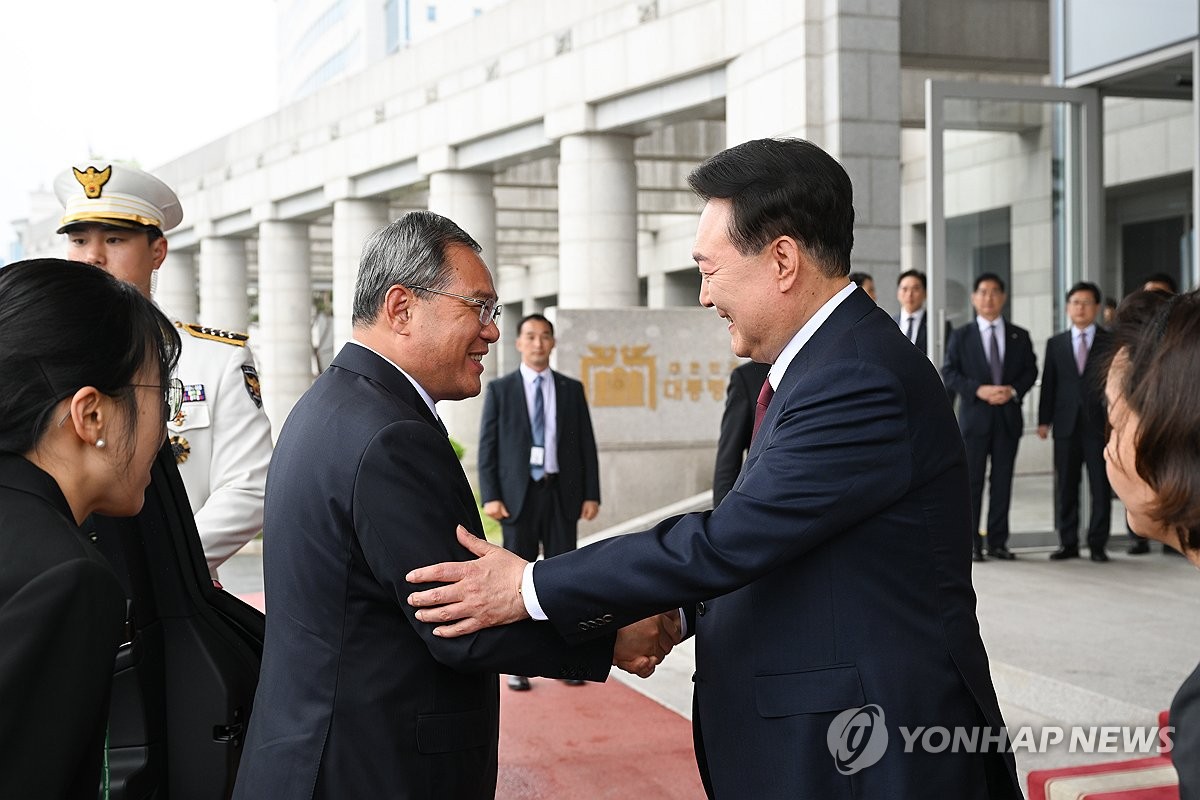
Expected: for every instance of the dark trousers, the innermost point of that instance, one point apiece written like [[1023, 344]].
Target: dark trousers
[[1001, 448], [542, 522], [1071, 454]]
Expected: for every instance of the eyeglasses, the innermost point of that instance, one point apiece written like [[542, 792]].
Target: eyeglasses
[[172, 395], [489, 310]]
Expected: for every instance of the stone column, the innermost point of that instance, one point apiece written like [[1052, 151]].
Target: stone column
[[514, 287], [678, 289], [844, 72], [597, 221], [175, 285], [541, 284], [353, 222], [467, 198], [283, 344], [223, 299]]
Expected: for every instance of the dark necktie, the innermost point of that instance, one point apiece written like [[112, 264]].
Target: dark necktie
[[1081, 353], [911, 326], [760, 409], [994, 357], [537, 471]]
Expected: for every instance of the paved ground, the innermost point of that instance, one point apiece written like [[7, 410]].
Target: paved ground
[[1071, 643]]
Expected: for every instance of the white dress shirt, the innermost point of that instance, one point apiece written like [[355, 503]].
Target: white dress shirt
[[916, 317], [1088, 334], [985, 336], [549, 397]]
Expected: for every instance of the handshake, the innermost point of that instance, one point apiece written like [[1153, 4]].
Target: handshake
[[484, 592], [643, 645]]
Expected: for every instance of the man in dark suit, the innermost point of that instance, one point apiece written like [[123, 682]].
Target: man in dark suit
[[1072, 404], [538, 470], [356, 699], [737, 423], [830, 591], [991, 365], [912, 319]]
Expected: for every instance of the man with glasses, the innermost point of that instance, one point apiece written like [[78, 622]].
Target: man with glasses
[[356, 698], [114, 218], [538, 470], [1072, 405]]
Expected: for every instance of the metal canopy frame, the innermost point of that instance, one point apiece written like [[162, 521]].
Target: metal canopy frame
[[1084, 211]]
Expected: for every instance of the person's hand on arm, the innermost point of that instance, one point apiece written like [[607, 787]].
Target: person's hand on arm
[[478, 594], [589, 511], [1043, 431]]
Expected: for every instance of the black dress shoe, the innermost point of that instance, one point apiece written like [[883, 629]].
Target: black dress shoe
[[1138, 548], [518, 683], [1099, 556], [977, 555], [1063, 553], [573, 682], [1002, 553]]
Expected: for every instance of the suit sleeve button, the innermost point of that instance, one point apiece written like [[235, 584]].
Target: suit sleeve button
[[701, 608]]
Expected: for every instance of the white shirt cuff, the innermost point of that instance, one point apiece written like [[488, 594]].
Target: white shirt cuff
[[529, 594]]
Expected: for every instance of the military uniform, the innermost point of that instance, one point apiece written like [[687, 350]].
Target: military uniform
[[221, 436]]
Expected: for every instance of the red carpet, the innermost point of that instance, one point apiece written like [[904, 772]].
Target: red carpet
[[560, 742], [589, 742]]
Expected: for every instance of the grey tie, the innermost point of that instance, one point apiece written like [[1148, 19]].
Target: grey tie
[[911, 327], [539, 428], [994, 356]]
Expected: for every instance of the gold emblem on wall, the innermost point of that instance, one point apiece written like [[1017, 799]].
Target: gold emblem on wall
[[629, 384]]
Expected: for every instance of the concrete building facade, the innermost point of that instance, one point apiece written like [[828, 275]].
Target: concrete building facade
[[560, 134]]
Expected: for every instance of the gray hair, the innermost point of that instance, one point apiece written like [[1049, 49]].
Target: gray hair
[[411, 252]]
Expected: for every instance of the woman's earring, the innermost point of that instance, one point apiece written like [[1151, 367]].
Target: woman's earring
[[101, 444]]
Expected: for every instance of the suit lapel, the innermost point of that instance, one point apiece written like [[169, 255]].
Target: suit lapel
[[843, 318], [361, 361]]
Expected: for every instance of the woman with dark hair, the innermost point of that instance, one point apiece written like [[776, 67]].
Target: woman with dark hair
[[1153, 457], [85, 391]]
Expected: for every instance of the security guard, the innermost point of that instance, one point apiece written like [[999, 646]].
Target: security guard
[[114, 218]]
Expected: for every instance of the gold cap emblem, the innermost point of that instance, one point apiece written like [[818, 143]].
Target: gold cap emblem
[[92, 180]]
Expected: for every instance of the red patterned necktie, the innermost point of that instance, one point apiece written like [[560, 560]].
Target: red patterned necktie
[[760, 409]]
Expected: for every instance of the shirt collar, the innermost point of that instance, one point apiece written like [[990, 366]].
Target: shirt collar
[[904, 315], [805, 333], [424, 394], [984, 324], [1088, 332], [528, 374]]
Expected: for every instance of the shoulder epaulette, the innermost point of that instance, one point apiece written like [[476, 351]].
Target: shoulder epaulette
[[215, 334]]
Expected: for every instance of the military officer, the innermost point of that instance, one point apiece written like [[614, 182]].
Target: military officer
[[114, 218]]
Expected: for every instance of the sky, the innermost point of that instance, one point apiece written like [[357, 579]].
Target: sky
[[127, 80]]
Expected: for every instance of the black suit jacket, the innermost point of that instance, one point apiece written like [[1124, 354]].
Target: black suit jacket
[[357, 698], [62, 612], [966, 369], [840, 567], [505, 436], [1069, 400], [737, 425]]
